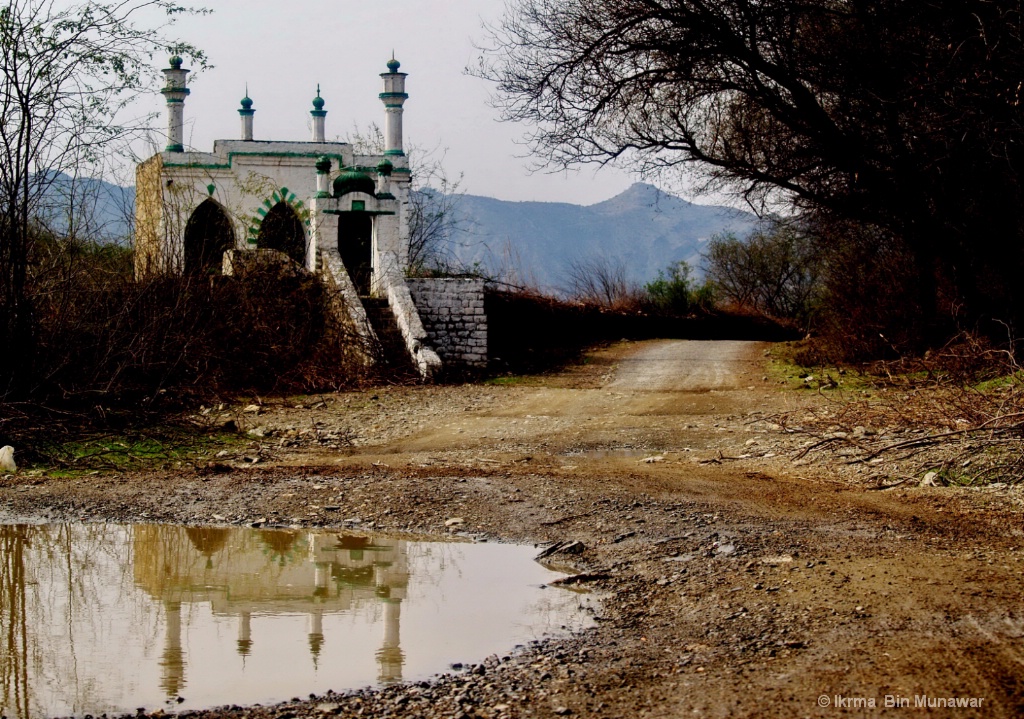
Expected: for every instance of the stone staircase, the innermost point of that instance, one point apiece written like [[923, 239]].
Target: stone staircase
[[394, 359]]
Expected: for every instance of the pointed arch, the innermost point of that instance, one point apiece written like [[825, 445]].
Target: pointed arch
[[283, 230], [208, 235]]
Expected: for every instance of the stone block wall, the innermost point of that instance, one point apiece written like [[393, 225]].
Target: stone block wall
[[452, 311]]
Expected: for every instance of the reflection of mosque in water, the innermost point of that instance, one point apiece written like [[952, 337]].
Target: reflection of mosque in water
[[243, 572]]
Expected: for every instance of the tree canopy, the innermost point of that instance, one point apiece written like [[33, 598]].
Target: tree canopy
[[905, 116]]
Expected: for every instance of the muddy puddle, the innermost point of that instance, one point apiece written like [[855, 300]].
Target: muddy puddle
[[101, 618]]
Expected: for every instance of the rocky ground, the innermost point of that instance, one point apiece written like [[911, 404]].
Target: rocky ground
[[736, 580]]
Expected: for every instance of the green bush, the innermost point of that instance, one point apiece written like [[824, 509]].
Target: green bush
[[674, 292]]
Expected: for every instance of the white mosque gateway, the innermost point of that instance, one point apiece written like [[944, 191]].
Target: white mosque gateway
[[316, 204]]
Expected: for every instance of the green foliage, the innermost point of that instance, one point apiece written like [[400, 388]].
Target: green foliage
[[155, 448], [674, 291]]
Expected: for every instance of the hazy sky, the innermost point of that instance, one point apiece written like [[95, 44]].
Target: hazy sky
[[283, 49]]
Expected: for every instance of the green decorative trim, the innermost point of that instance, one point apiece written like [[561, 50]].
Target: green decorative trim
[[174, 148], [318, 113], [231, 155], [210, 188], [385, 196], [246, 113], [393, 153], [394, 95], [175, 91], [282, 195], [359, 212]]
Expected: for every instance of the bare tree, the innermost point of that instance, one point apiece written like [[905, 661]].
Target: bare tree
[[778, 270], [901, 115], [602, 281], [67, 76]]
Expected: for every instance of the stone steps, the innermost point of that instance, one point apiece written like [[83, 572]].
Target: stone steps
[[394, 357]]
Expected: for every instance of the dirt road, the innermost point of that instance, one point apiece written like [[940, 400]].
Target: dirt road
[[737, 582]]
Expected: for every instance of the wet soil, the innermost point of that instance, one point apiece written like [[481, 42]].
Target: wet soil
[[737, 582]]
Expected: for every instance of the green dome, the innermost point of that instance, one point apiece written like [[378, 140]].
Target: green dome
[[318, 102], [353, 181], [176, 62], [385, 168], [246, 103], [393, 64]]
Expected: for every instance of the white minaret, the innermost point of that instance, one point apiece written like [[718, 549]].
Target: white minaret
[[246, 114], [393, 97], [319, 113], [175, 92]]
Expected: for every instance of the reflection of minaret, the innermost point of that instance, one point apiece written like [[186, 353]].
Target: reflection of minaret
[[244, 634], [390, 653], [321, 578], [173, 661], [316, 632]]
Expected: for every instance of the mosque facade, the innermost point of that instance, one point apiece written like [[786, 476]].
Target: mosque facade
[[318, 206]]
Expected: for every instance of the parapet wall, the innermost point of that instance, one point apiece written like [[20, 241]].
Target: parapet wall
[[452, 311]]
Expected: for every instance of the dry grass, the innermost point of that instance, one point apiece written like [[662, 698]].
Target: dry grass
[[955, 416]]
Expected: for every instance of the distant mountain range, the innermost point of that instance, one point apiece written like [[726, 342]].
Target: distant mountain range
[[91, 208], [644, 229]]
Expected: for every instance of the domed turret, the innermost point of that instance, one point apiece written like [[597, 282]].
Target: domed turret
[[353, 181]]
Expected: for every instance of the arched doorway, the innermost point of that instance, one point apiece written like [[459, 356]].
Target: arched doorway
[[208, 235], [282, 230], [355, 238]]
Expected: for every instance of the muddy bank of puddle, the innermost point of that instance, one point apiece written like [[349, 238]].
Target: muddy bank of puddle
[[101, 618]]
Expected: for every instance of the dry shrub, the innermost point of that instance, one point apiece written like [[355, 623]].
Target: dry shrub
[[108, 344], [957, 411], [603, 282]]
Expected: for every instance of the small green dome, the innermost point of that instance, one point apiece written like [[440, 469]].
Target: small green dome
[[353, 181], [323, 164], [318, 102], [393, 64], [176, 62], [246, 103], [384, 168]]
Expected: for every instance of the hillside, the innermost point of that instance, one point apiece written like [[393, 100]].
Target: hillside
[[643, 227], [94, 209]]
